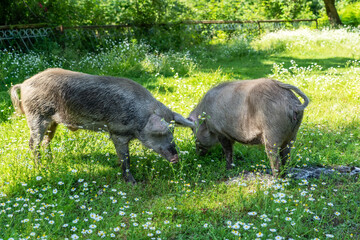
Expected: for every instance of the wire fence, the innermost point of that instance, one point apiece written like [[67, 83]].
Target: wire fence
[[28, 37]]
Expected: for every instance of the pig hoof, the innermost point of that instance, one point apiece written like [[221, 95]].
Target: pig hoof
[[132, 182], [202, 153], [130, 179]]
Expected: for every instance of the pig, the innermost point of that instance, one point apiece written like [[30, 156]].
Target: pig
[[260, 111], [119, 106]]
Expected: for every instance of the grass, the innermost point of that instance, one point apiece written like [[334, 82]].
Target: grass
[[80, 192]]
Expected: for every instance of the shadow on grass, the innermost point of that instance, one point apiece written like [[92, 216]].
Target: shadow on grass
[[5, 106], [326, 63], [260, 65], [251, 66]]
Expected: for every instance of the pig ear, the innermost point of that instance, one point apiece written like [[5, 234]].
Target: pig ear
[[156, 125], [183, 121]]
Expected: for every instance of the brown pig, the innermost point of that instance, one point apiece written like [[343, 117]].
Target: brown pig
[[260, 111], [119, 106]]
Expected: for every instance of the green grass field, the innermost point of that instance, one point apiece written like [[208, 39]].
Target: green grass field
[[79, 192]]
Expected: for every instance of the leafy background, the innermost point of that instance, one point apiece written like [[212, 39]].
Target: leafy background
[[96, 12]]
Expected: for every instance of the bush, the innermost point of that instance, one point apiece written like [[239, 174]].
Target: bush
[[350, 15], [122, 58], [220, 49]]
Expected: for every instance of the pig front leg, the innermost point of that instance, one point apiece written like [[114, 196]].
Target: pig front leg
[[285, 153], [227, 146], [122, 149]]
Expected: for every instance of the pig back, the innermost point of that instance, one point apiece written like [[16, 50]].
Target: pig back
[[73, 97], [244, 110]]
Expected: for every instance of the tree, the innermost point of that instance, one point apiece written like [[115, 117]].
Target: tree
[[332, 12]]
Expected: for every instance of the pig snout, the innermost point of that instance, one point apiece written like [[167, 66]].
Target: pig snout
[[169, 154], [174, 159]]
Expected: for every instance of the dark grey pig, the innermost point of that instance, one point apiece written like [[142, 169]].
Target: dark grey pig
[[260, 111], [119, 106]]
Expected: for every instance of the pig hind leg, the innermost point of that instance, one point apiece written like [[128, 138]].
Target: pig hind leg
[[49, 134], [38, 126], [273, 155], [279, 157], [122, 149], [272, 148], [285, 152], [278, 146]]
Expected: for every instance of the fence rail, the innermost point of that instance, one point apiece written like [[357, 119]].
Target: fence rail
[[248, 21], [24, 37]]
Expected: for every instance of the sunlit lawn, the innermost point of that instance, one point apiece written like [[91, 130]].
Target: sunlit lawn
[[79, 193]]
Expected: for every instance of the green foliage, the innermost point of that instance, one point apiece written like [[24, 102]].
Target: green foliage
[[222, 46], [22, 12], [350, 15], [92, 12], [316, 7], [282, 9], [251, 10], [145, 12]]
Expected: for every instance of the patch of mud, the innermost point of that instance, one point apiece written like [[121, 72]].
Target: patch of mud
[[294, 173], [316, 172], [263, 178]]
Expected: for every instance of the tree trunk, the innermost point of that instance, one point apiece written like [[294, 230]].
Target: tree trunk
[[332, 13]]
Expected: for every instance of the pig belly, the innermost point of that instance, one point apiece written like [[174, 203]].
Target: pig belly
[[87, 124]]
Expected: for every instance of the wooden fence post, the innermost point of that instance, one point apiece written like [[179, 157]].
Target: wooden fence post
[[259, 26]]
